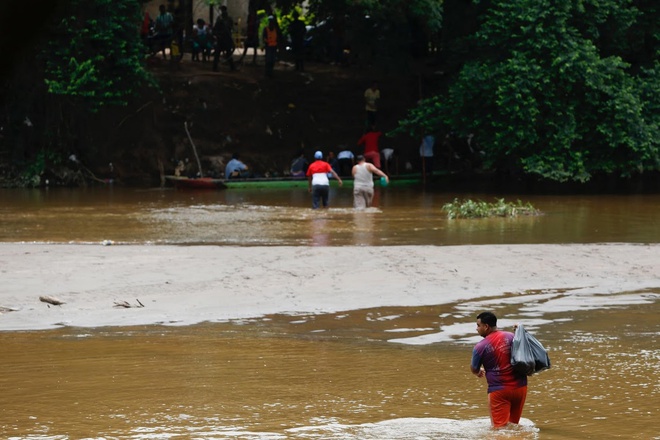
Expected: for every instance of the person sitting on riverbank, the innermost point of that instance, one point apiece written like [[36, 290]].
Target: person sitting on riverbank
[[332, 160], [345, 162], [299, 165], [235, 168]]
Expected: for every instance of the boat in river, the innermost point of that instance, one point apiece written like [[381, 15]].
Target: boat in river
[[267, 182], [182, 182], [301, 182]]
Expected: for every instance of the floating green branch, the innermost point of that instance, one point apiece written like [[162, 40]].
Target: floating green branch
[[480, 209]]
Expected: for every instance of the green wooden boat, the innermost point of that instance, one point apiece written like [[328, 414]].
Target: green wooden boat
[[274, 182], [292, 182]]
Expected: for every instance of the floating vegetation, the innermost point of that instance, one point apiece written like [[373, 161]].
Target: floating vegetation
[[480, 209]]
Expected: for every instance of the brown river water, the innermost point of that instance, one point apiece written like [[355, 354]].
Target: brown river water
[[381, 373]]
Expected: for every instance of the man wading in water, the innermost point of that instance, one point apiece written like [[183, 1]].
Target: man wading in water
[[506, 389]]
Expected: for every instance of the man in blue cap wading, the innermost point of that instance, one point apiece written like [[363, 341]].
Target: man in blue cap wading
[[319, 185]]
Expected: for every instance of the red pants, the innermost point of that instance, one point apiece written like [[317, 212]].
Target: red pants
[[373, 157], [506, 406]]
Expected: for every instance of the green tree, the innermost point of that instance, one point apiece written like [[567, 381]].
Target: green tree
[[95, 57], [87, 56], [549, 95], [380, 33]]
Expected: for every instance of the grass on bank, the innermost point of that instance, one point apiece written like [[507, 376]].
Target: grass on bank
[[480, 209]]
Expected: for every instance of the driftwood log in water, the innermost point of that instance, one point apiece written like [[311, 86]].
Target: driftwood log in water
[[51, 300]]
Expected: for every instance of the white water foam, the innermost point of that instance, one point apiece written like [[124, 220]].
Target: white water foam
[[419, 429]]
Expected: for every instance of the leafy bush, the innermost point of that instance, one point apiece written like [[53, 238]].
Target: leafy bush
[[480, 209], [31, 176], [95, 55], [546, 94]]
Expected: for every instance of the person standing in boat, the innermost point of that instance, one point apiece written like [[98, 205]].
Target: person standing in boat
[[235, 168], [319, 184], [363, 185]]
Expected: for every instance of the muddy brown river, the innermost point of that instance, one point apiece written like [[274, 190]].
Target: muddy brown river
[[385, 373]]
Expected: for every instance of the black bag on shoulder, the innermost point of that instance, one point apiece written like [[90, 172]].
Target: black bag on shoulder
[[527, 354]]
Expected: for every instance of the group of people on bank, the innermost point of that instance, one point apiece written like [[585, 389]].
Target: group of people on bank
[[217, 41]]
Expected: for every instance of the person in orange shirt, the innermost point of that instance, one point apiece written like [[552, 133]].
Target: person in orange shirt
[[370, 142]]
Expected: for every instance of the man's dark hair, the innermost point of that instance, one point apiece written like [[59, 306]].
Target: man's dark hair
[[488, 318]]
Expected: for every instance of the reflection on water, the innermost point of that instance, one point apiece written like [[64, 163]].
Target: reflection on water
[[333, 376], [364, 230], [388, 373], [402, 216]]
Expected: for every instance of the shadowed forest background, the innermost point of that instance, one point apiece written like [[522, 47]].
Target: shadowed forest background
[[526, 92]]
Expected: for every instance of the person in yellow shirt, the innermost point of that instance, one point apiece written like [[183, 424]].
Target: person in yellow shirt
[[371, 98]]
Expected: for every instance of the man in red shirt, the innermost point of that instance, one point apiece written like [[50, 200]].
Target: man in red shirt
[[370, 141], [319, 185], [506, 389]]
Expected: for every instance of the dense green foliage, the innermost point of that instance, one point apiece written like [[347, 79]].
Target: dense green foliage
[[557, 89], [381, 33], [479, 209], [86, 56], [96, 56], [549, 90], [31, 176]]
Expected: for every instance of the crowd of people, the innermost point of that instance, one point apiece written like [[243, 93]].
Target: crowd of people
[[361, 167], [165, 33], [216, 43]]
